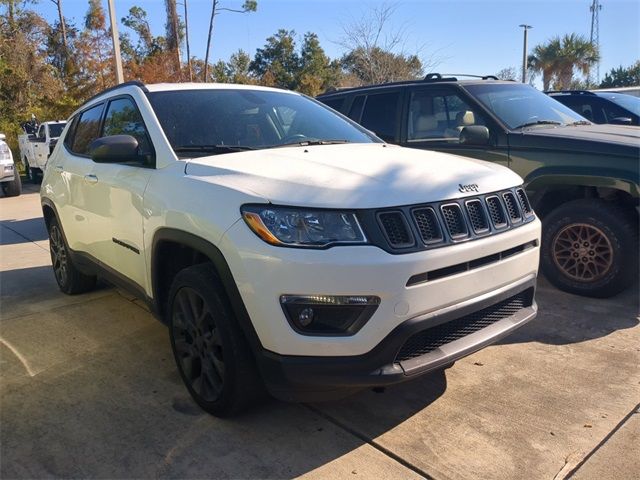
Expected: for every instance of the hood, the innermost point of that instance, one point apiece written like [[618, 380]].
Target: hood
[[599, 139], [351, 175]]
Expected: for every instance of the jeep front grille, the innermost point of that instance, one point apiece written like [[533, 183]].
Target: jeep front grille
[[432, 338], [418, 227]]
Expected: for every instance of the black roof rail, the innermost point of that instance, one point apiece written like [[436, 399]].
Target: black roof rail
[[436, 77], [578, 92], [482, 77], [131, 83]]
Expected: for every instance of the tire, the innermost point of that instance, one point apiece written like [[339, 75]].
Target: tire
[[14, 187], [70, 280], [590, 248], [205, 337], [32, 174]]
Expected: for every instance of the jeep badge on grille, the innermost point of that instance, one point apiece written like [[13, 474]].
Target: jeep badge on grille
[[471, 187]]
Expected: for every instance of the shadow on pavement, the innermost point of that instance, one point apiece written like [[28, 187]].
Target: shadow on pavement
[[23, 231], [564, 318]]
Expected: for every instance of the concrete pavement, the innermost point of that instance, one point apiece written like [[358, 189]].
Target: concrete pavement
[[89, 389]]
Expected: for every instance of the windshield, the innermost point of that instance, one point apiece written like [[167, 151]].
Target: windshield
[[520, 105], [629, 102], [55, 129], [205, 122]]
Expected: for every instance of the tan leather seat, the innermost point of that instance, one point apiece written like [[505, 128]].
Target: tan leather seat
[[425, 126], [464, 118]]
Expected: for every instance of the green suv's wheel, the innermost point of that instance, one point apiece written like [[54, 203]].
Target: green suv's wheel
[[69, 278], [210, 350], [590, 247]]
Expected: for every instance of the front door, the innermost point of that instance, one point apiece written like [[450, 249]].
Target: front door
[[436, 116]]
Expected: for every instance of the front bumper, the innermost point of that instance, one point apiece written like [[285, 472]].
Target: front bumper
[[304, 378]]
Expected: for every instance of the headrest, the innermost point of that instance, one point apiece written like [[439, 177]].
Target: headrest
[[464, 118], [426, 122]]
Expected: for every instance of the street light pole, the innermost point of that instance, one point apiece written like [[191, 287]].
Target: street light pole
[[524, 52], [117, 60]]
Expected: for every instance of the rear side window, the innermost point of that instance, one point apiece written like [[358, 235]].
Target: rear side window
[[335, 103], [380, 114], [68, 138], [88, 130], [356, 108], [123, 118]]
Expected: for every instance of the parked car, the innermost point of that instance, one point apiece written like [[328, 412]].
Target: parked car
[[9, 175], [36, 148], [582, 178], [282, 243], [601, 107]]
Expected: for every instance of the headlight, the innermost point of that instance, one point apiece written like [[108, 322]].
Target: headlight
[[300, 227], [5, 153]]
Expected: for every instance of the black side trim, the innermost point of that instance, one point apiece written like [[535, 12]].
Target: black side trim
[[218, 260], [125, 245]]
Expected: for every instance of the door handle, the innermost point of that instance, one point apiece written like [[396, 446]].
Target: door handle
[[59, 168], [90, 178]]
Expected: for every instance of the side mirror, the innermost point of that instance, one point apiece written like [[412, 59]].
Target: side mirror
[[115, 149], [474, 135], [622, 121]]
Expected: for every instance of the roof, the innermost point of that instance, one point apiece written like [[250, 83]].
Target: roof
[[429, 79], [165, 87]]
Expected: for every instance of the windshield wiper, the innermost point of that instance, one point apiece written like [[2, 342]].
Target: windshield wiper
[[538, 122], [211, 149], [307, 143]]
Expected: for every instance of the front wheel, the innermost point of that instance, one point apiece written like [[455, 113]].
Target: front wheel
[[210, 350], [590, 248]]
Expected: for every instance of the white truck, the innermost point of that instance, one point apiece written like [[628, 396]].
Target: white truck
[[36, 148], [305, 256]]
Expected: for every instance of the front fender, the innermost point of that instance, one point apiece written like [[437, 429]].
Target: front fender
[[623, 180]]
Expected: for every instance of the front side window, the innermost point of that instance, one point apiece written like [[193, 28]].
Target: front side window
[[88, 130], [215, 121], [123, 118], [439, 116]]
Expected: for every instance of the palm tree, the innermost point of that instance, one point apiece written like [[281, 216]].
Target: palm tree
[[545, 59], [560, 57], [576, 53]]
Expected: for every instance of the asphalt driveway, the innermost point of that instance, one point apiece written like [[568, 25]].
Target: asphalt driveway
[[89, 389]]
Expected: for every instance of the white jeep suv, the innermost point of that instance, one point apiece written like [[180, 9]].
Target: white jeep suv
[[285, 246]]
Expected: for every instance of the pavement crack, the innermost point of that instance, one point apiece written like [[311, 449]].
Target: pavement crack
[[385, 451], [635, 410]]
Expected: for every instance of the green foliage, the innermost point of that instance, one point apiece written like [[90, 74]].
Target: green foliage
[[622, 77], [277, 63], [560, 58]]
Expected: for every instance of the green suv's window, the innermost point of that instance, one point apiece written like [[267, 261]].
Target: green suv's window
[[519, 106]]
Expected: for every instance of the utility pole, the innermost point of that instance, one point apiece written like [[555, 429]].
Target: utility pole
[[117, 60], [524, 52]]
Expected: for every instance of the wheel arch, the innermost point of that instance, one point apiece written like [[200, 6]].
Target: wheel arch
[[169, 241]]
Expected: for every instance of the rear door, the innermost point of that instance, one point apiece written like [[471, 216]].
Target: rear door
[[436, 115], [74, 201]]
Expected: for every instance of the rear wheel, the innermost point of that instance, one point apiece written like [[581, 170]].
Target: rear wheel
[[590, 247], [70, 280], [210, 350], [14, 187]]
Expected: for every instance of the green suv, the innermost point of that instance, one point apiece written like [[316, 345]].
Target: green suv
[[582, 178]]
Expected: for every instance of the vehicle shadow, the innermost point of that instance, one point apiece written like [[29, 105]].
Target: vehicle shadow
[[564, 318], [90, 389], [22, 231]]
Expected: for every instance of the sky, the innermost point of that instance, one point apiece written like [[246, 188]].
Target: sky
[[462, 36]]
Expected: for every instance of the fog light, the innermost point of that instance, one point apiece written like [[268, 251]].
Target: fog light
[[305, 317], [324, 315]]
